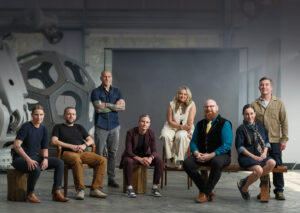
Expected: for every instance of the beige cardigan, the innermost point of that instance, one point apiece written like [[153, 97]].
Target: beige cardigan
[[274, 119]]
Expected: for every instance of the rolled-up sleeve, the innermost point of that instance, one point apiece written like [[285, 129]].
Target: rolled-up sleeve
[[239, 141], [95, 96]]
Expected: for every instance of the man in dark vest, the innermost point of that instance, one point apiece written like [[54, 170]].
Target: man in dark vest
[[210, 146]]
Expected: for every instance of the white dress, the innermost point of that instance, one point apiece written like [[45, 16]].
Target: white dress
[[176, 141]]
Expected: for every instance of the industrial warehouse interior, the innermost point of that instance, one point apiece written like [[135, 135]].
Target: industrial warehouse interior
[[52, 53]]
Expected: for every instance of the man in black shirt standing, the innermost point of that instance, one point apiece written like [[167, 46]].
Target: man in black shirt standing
[[74, 139]]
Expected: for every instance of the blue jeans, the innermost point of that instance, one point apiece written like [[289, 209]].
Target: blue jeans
[[20, 164], [278, 180]]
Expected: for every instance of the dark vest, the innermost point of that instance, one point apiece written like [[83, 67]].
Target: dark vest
[[208, 143]]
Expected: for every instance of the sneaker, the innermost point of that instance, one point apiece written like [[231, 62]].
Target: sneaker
[[113, 183], [130, 193], [97, 193], [245, 195], [156, 193], [80, 195], [279, 196]]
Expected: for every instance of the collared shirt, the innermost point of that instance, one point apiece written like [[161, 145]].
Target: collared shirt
[[108, 120], [226, 139], [264, 102]]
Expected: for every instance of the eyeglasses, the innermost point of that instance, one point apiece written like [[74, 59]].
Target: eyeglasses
[[209, 106]]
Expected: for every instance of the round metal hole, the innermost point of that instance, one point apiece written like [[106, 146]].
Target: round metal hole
[[11, 82]]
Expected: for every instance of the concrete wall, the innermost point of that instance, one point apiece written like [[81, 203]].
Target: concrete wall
[[273, 44], [290, 74]]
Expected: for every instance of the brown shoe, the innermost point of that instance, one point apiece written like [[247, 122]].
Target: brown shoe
[[212, 195], [202, 198], [32, 198], [58, 196]]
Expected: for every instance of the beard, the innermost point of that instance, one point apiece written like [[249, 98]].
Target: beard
[[210, 115], [69, 122]]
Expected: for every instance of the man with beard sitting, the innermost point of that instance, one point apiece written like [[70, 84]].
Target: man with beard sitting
[[210, 146], [74, 139]]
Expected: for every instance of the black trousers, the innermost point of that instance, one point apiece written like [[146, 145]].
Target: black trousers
[[217, 163]]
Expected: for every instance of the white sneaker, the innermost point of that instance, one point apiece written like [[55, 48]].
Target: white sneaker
[[155, 192], [80, 195], [97, 193], [130, 193]]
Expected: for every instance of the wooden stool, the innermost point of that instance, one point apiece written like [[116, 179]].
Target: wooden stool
[[139, 179], [16, 185], [264, 188]]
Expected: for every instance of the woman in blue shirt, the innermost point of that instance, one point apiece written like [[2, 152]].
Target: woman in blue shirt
[[32, 136], [252, 144]]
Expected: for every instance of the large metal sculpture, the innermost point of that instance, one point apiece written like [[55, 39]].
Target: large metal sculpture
[[13, 107], [47, 78], [56, 81]]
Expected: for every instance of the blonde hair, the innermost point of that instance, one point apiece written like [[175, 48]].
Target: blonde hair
[[187, 102]]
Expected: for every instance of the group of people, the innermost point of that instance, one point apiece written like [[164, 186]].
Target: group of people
[[259, 142], [74, 140]]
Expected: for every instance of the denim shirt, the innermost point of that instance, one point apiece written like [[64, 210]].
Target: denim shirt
[[108, 120], [241, 142]]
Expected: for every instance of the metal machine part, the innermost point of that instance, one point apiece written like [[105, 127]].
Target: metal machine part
[[13, 107], [56, 81]]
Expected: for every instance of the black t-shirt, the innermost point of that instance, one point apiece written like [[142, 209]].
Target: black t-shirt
[[75, 134], [140, 147]]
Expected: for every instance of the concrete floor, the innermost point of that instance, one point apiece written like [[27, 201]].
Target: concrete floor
[[176, 197]]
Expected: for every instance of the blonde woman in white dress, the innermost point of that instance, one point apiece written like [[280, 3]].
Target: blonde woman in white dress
[[177, 131]]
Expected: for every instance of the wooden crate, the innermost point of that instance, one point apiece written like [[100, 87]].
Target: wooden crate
[[16, 185], [139, 179]]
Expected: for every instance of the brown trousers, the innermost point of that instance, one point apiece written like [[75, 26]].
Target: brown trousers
[[97, 162]]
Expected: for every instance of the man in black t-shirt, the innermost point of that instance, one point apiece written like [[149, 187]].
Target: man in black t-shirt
[[74, 139]]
